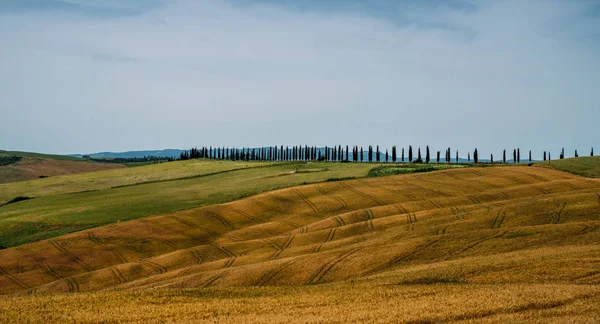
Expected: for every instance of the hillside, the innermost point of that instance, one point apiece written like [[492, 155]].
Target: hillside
[[587, 166], [299, 236], [35, 165], [72, 203]]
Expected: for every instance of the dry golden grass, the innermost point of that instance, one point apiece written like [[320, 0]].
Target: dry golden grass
[[498, 244], [32, 168]]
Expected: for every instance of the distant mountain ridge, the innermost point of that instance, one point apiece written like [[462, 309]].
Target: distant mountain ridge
[[132, 154]]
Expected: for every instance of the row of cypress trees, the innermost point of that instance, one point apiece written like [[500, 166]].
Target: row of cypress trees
[[337, 153]]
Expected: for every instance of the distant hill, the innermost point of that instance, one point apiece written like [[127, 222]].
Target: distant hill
[[20, 166], [132, 154]]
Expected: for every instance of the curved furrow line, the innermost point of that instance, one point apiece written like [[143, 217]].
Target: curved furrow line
[[48, 269], [339, 220], [229, 262], [285, 245], [405, 256], [196, 256], [330, 235], [495, 221], [292, 224], [212, 280], [306, 200], [318, 275], [14, 279], [92, 237], [71, 255], [160, 269], [225, 251], [479, 242], [120, 274], [400, 208], [338, 199], [114, 275], [360, 193], [243, 213], [557, 220], [269, 275], [220, 219]]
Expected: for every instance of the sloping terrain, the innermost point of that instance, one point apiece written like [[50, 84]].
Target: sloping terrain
[[587, 166], [514, 224], [33, 168]]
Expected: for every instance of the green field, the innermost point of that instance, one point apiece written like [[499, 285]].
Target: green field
[[75, 202], [586, 166]]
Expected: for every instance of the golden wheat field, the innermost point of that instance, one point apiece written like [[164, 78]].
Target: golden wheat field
[[472, 244]]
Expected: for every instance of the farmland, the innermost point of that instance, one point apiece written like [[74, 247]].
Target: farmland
[[511, 243]]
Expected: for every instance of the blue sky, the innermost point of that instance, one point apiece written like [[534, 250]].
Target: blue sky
[[81, 76]]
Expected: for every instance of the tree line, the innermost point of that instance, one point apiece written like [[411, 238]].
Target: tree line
[[344, 154]]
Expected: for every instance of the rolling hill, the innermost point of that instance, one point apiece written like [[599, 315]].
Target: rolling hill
[[467, 244], [36, 165]]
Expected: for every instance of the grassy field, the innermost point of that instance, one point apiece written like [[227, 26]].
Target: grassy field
[[76, 202], [587, 166], [467, 244]]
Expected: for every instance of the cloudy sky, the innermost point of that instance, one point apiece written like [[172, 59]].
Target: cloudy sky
[[79, 76]]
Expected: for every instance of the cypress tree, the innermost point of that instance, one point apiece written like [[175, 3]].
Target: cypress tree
[[377, 157], [427, 157], [514, 156], [394, 153], [592, 152], [469, 157], [361, 154], [562, 153], [529, 155], [549, 156], [347, 158], [403, 154], [419, 155], [576, 155], [504, 156], [456, 156], [438, 157], [475, 156], [410, 153], [370, 153], [386, 155], [518, 155], [492, 158], [544, 155]]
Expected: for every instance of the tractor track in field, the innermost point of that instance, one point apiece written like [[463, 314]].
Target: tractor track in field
[[370, 217], [558, 214], [285, 245], [362, 194], [94, 239], [329, 238], [117, 275], [441, 230], [342, 202], [269, 275], [229, 262], [322, 271], [542, 190], [474, 199], [212, 280], [499, 219], [411, 219], [481, 241], [243, 213], [225, 251], [47, 269], [220, 219], [306, 200], [338, 220], [14, 279], [159, 268], [71, 255], [292, 224], [72, 284], [400, 208], [406, 255], [181, 233], [436, 204]]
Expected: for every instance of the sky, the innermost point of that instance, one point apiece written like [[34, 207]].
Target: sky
[[83, 76]]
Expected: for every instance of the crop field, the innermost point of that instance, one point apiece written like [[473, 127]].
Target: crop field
[[76, 202], [465, 244]]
